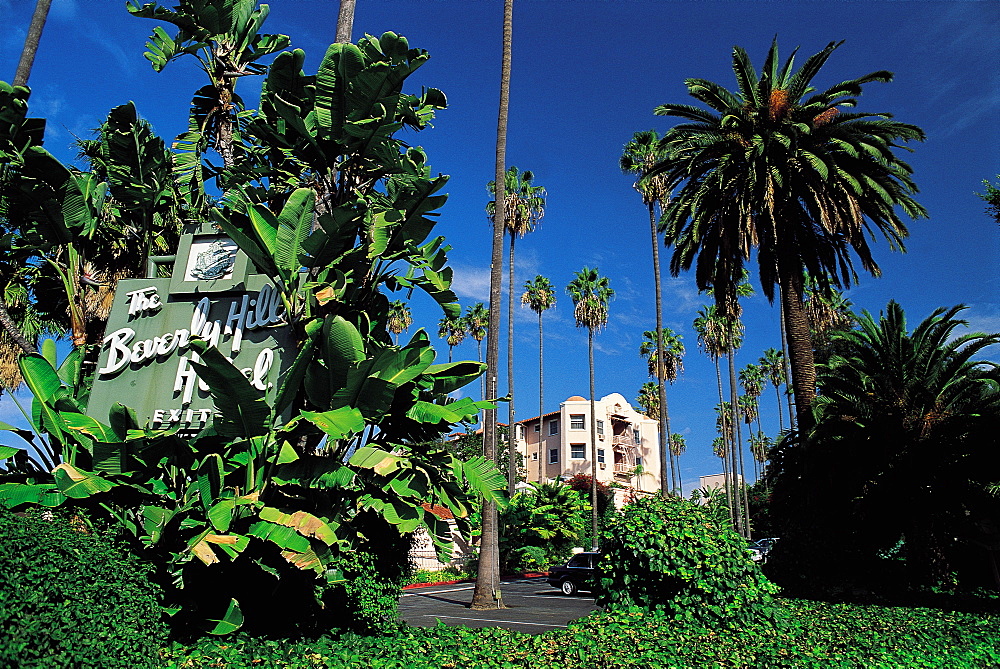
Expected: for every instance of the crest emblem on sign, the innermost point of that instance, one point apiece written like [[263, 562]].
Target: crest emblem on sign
[[214, 262]]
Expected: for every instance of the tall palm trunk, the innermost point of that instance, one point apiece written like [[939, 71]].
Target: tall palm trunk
[[21, 75], [485, 595], [786, 369], [666, 455], [31, 42], [345, 21], [541, 397], [595, 542], [511, 450], [727, 441], [800, 352], [738, 455]]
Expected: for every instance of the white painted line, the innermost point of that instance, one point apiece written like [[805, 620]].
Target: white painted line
[[491, 620], [418, 591]]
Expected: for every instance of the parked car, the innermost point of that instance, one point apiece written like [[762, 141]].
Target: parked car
[[760, 549], [577, 574]]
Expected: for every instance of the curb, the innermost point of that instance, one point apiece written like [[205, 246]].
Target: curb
[[530, 574]]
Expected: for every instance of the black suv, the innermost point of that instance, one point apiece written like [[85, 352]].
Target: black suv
[[577, 574]]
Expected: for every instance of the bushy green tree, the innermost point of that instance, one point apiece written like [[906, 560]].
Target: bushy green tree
[[670, 554]]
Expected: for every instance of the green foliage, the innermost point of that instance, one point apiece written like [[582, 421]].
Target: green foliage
[[806, 634], [670, 554], [258, 518], [541, 525], [892, 487], [71, 596], [992, 198]]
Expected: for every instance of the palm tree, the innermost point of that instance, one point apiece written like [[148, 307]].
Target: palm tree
[[540, 296], [400, 318], [485, 594], [773, 365], [31, 41], [591, 293], [828, 312], [677, 444], [901, 427], [713, 340], [452, 330], [477, 323], [644, 151], [345, 21], [524, 206], [671, 348], [12, 334], [776, 170], [649, 400]]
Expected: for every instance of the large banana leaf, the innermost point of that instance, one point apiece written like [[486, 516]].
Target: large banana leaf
[[242, 410]]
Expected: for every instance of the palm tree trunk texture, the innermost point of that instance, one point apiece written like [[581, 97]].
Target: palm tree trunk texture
[[734, 447], [727, 442], [800, 352], [345, 21], [511, 432], [485, 595], [666, 455], [31, 42], [595, 542], [541, 397], [742, 489], [21, 75], [785, 366]]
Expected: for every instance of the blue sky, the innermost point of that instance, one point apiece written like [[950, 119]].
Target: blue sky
[[586, 76]]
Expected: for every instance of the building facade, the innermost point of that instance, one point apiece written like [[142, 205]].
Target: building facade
[[558, 444]]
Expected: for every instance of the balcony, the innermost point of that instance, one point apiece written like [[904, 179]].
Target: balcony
[[623, 442]]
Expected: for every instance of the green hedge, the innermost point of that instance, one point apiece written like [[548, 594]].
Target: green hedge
[[73, 597], [802, 634]]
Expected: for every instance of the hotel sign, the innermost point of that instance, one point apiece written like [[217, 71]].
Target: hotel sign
[[146, 354]]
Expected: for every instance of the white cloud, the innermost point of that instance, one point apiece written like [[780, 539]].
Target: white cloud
[[469, 281]]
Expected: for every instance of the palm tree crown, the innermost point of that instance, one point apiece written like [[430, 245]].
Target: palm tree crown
[[779, 169], [591, 293], [399, 318], [539, 294], [525, 202], [477, 321], [645, 150], [673, 358]]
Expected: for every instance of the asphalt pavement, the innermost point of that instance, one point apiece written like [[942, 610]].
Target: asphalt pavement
[[533, 606]]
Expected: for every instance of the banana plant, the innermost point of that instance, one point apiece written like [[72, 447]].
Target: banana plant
[[339, 214], [224, 36]]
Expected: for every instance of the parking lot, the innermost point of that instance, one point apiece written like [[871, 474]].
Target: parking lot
[[533, 606]]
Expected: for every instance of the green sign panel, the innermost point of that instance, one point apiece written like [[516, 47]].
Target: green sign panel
[[145, 360]]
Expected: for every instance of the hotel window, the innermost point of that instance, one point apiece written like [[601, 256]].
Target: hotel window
[[538, 426], [576, 451], [600, 428], [637, 436], [520, 432], [553, 456], [534, 456], [576, 422], [554, 426], [600, 455], [638, 461]]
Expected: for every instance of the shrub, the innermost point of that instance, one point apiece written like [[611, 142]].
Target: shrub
[[73, 597], [670, 554]]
